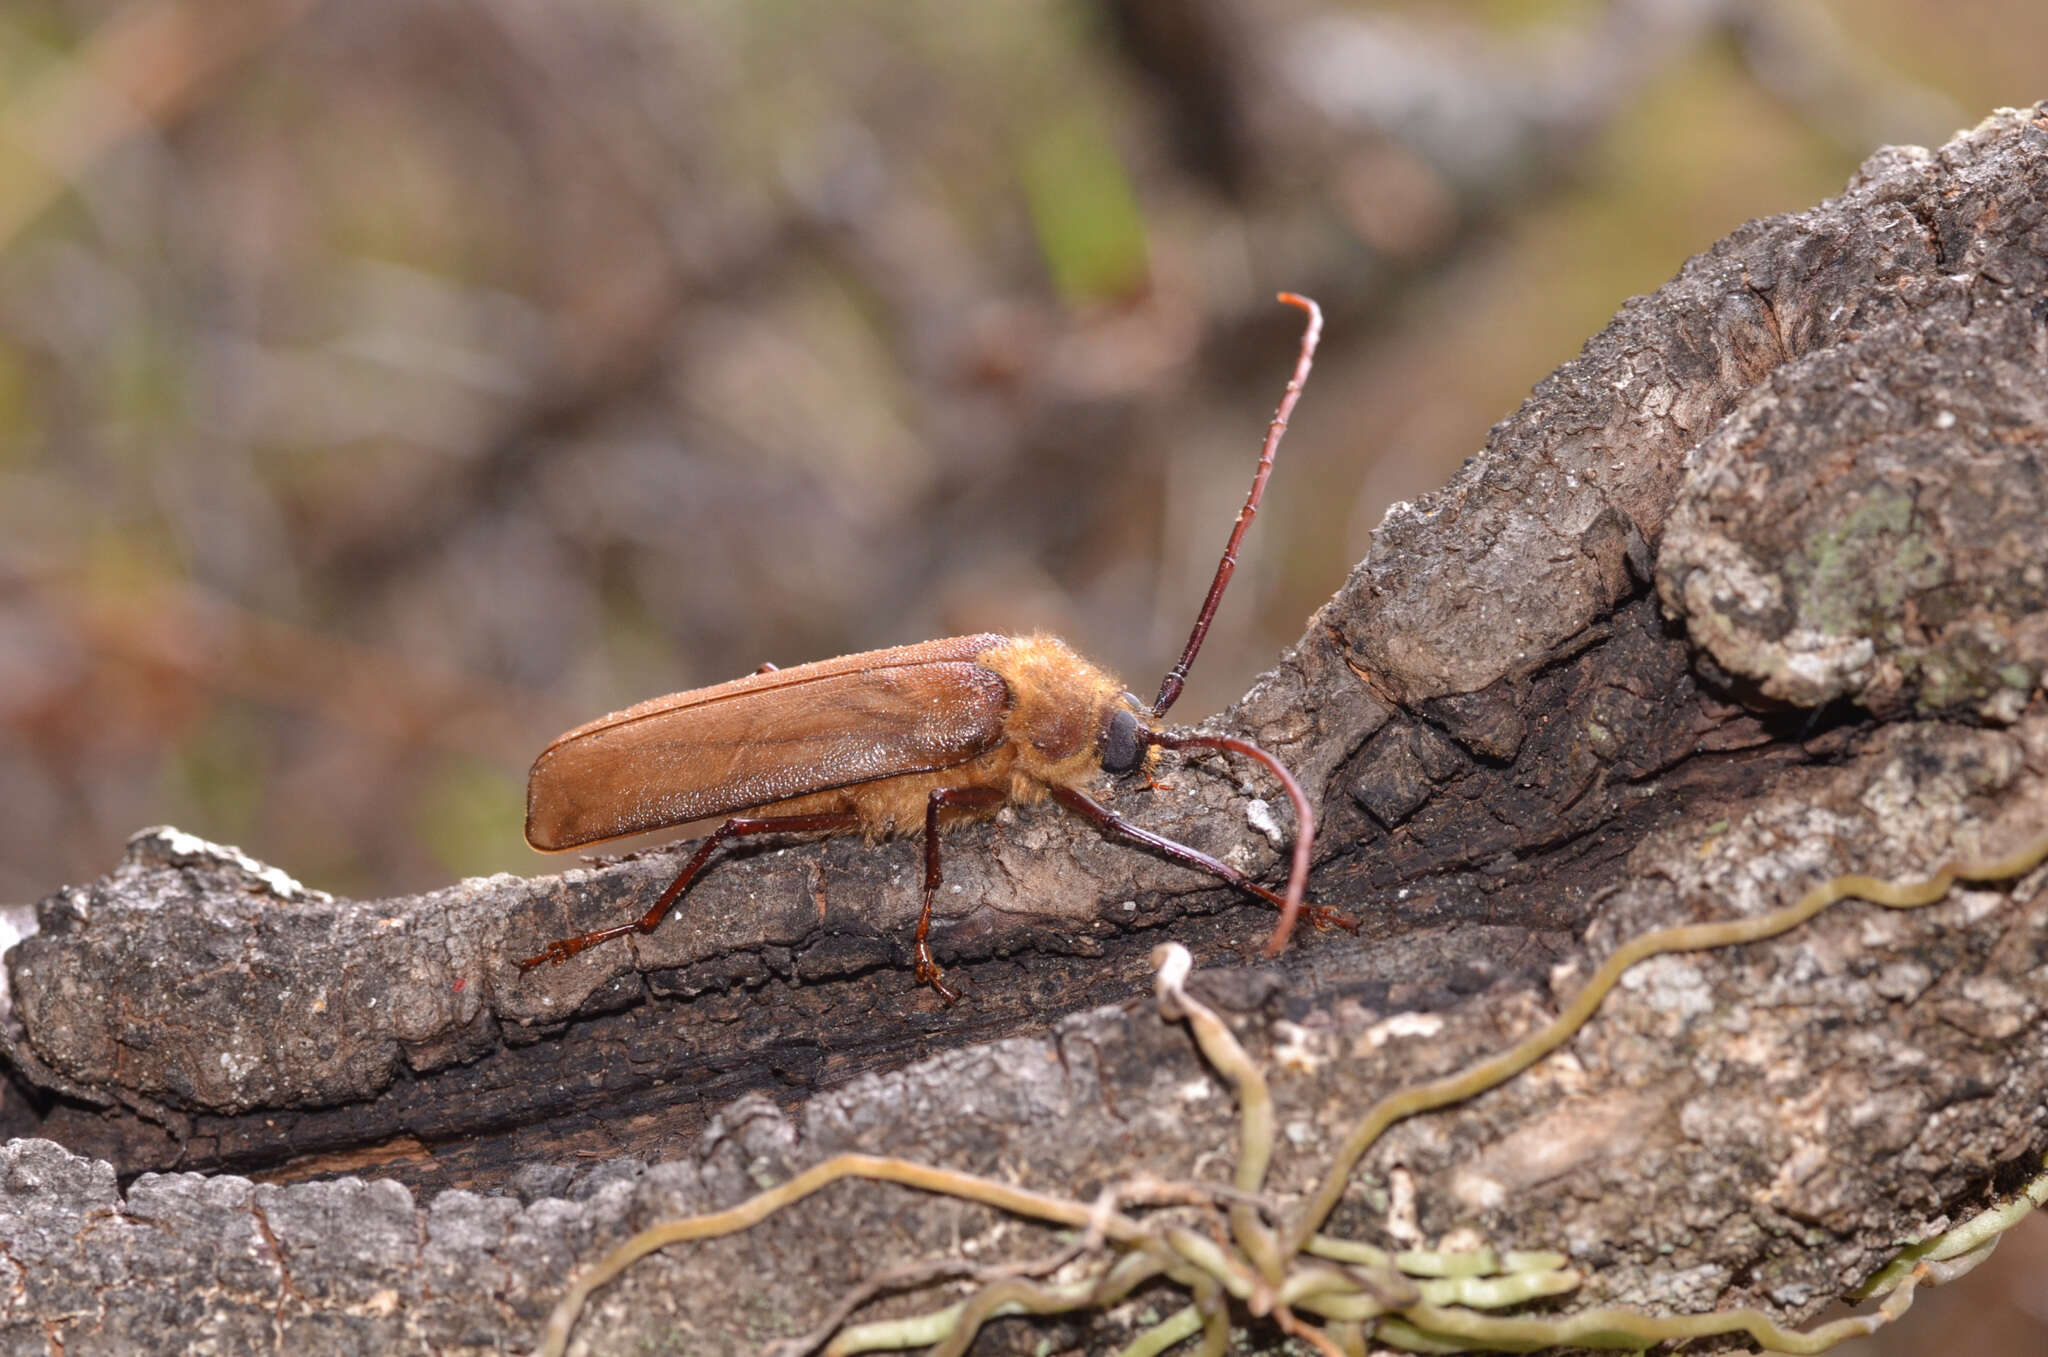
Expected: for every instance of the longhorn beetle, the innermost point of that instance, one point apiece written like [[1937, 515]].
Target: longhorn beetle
[[877, 742]]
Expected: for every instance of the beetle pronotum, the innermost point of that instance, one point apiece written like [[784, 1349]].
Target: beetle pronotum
[[881, 741]]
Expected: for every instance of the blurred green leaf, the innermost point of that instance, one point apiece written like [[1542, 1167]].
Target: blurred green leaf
[[468, 816], [218, 768], [1084, 209], [17, 415]]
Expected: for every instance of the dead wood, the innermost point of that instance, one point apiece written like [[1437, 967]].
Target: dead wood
[[1752, 593]]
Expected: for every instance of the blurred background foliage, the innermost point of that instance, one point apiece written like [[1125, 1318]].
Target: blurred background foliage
[[386, 386]]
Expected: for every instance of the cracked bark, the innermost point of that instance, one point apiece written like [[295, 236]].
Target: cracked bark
[[1751, 593]]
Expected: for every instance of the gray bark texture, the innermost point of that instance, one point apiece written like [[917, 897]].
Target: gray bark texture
[[1752, 593]]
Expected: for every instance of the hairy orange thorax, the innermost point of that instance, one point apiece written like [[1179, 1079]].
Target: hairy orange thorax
[[1058, 702]]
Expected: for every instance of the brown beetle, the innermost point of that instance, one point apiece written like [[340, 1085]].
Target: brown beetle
[[885, 740]]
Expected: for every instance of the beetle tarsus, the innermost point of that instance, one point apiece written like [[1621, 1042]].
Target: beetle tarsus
[[928, 973], [1322, 916], [553, 955], [561, 949]]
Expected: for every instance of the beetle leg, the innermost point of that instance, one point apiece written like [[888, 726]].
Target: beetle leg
[[739, 826], [977, 798], [1109, 822]]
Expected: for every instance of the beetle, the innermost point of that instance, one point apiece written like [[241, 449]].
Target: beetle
[[888, 740]]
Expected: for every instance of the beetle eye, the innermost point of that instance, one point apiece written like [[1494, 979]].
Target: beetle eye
[[1120, 745]]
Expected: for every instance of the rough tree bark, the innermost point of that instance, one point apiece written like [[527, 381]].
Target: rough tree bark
[[1751, 593]]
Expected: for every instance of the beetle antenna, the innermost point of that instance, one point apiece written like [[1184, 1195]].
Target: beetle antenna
[[1304, 818], [1170, 687]]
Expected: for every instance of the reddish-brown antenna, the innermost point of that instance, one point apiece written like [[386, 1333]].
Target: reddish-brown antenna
[[1170, 687], [1304, 830]]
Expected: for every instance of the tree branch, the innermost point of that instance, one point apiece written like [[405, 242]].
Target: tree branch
[[1749, 595]]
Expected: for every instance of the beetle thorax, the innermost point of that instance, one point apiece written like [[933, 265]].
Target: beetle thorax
[[1058, 706]]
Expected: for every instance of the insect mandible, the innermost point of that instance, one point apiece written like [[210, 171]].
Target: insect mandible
[[883, 741]]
